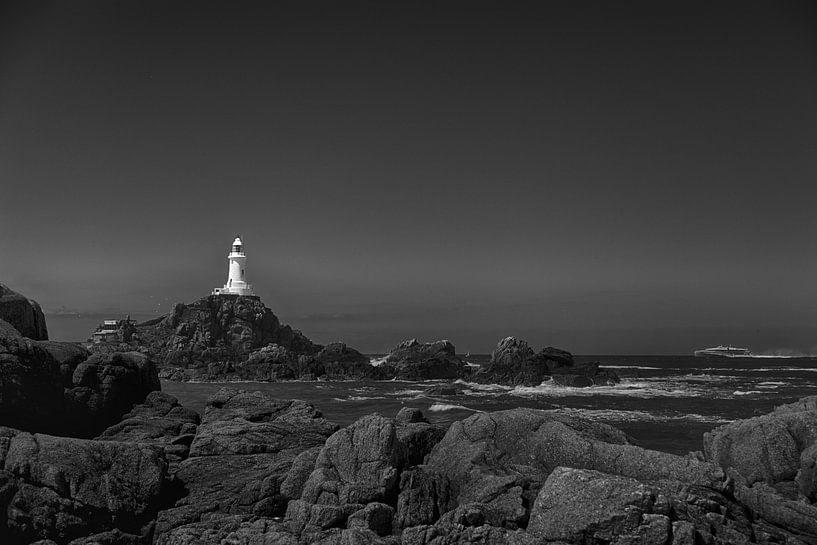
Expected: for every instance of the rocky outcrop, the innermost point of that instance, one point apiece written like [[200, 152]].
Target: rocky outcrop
[[207, 337], [775, 448], [57, 388], [61, 488], [412, 360], [24, 314], [248, 458], [513, 363]]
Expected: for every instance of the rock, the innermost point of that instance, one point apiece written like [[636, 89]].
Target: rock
[[424, 497], [783, 518], [56, 388], [239, 422], [410, 415], [768, 448], [375, 516], [25, 315], [105, 386], [250, 456], [359, 464], [445, 390], [506, 455], [416, 434], [412, 360], [159, 421], [581, 506], [513, 363], [585, 506], [64, 488], [293, 484]]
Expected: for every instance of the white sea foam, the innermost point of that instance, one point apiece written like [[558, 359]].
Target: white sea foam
[[770, 385], [761, 369], [746, 393], [412, 393], [361, 398], [629, 367], [643, 389], [614, 415], [440, 407], [374, 362]]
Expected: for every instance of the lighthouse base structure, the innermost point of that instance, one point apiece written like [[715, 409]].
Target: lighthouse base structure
[[235, 289]]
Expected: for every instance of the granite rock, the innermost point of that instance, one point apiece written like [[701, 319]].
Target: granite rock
[[24, 314]]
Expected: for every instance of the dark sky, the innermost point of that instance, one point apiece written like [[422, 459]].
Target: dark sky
[[607, 177]]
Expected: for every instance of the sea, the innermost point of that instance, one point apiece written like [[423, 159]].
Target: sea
[[664, 403]]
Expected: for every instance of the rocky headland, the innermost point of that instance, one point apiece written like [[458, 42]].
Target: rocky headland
[[103, 457]]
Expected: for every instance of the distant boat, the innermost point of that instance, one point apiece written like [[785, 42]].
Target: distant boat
[[723, 352]]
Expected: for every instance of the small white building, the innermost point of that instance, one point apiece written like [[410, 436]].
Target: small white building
[[236, 277]]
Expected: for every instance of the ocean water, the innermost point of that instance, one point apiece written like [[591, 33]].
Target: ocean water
[[664, 402]]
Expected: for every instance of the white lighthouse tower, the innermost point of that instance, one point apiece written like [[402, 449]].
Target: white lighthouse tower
[[236, 278]]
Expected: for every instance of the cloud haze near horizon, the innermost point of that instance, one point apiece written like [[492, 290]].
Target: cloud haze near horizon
[[628, 178]]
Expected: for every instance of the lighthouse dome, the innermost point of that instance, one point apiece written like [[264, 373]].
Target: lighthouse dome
[[237, 242]]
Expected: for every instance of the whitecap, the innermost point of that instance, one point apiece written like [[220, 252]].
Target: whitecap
[[746, 393], [439, 407], [629, 367]]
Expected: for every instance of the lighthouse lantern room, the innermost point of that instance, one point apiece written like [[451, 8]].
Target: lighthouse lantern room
[[236, 278]]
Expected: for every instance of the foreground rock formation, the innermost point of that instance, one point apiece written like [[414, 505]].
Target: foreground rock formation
[[262, 470], [24, 314], [60, 388]]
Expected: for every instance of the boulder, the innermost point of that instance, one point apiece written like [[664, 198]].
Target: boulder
[[359, 464], [583, 506], [772, 448], [412, 360], [64, 488], [56, 388], [24, 314]]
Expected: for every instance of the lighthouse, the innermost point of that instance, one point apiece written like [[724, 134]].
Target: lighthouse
[[236, 277]]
